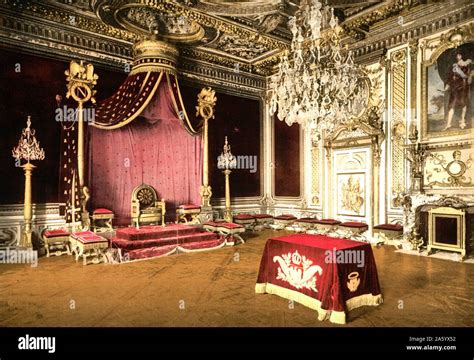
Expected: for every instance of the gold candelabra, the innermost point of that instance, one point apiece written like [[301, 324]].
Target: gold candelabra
[[416, 154], [227, 161], [28, 149]]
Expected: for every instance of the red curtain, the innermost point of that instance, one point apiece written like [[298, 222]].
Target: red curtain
[[154, 149]]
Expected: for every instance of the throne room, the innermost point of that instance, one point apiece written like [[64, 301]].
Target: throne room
[[202, 163]]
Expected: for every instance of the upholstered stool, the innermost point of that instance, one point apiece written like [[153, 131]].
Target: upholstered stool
[[211, 226], [263, 219], [188, 214], [389, 232], [282, 221], [327, 225], [102, 220], [305, 224], [246, 220], [58, 241], [354, 229], [88, 245], [230, 231]]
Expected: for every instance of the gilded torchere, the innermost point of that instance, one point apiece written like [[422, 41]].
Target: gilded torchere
[[28, 149], [80, 84], [227, 161], [205, 108]]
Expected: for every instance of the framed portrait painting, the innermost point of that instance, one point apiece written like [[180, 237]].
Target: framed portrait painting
[[448, 93]]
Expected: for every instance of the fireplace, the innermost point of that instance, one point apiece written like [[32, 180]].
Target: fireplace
[[417, 209], [447, 230]]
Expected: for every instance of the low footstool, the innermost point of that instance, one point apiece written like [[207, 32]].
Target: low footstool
[[389, 232], [88, 245], [229, 230], [102, 220], [58, 241], [263, 219], [211, 226], [354, 229], [282, 221], [246, 220], [188, 214]]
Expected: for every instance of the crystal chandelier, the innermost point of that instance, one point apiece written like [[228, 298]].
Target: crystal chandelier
[[317, 84]]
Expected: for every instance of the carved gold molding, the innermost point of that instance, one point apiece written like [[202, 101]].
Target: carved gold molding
[[385, 11], [454, 170]]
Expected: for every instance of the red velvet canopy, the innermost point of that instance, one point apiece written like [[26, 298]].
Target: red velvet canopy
[[133, 97], [154, 62]]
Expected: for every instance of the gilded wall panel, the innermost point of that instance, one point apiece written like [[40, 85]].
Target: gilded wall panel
[[398, 107], [316, 176]]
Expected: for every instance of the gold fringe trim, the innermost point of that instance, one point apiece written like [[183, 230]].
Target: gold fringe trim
[[337, 317], [183, 250], [364, 300], [153, 68], [190, 129]]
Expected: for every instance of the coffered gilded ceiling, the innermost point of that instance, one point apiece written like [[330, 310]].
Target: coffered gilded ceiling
[[248, 35]]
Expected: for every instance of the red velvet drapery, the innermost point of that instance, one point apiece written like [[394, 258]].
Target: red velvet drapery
[[155, 149]]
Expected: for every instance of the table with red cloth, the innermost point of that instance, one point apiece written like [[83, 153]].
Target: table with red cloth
[[330, 275]]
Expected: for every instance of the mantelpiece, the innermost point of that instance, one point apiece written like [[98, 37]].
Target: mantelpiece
[[414, 204]]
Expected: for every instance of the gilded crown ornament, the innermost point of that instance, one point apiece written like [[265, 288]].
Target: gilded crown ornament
[[206, 103]]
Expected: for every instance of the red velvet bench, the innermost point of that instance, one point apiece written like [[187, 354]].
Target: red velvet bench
[[188, 214], [102, 220], [246, 220], [229, 230], [282, 221], [56, 240], [263, 219], [354, 228], [88, 245]]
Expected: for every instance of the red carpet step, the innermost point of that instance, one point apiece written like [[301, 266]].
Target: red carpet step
[[156, 241], [156, 232], [175, 240]]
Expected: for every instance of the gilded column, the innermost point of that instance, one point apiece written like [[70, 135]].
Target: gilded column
[[27, 212], [205, 108], [81, 80], [228, 210], [80, 146]]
